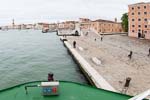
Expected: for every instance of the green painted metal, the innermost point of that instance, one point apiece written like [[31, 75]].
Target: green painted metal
[[68, 91]]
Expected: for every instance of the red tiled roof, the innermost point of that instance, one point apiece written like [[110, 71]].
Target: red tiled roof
[[101, 20], [140, 3]]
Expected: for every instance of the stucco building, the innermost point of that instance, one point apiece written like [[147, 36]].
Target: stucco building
[[139, 20], [85, 23], [41, 26], [106, 26], [100, 25], [67, 25], [52, 26]]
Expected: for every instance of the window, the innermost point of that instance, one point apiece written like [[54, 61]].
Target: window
[[132, 8], [139, 19], [138, 7], [132, 30], [139, 25], [145, 13], [145, 31], [132, 19], [145, 26], [144, 7], [139, 30], [133, 25], [145, 19], [139, 13], [132, 13]]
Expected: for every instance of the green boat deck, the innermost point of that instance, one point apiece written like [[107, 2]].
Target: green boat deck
[[67, 91]]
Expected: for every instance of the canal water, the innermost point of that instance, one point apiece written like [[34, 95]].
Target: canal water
[[29, 55]]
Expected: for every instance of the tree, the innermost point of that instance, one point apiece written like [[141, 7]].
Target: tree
[[124, 19]]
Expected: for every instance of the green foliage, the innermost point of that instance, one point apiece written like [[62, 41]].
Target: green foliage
[[124, 19]]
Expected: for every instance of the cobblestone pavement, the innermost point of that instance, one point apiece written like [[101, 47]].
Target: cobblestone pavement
[[116, 66]]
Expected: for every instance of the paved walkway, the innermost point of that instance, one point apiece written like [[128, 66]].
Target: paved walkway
[[116, 65], [96, 78]]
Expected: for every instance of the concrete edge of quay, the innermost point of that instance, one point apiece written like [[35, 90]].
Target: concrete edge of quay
[[93, 76]]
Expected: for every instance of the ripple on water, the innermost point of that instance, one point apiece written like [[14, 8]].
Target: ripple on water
[[30, 55]]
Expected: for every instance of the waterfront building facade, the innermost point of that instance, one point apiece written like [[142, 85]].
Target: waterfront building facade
[[85, 23], [53, 26], [139, 20], [106, 26], [23, 26], [41, 26], [100, 25], [45, 26], [67, 25], [30, 26]]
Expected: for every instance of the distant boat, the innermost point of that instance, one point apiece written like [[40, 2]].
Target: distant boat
[[45, 30]]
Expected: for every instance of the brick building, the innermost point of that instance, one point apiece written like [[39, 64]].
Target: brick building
[[67, 25], [100, 25], [53, 26], [85, 23], [106, 26], [139, 20]]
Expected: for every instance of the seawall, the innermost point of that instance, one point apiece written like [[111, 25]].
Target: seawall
[[93, 76]]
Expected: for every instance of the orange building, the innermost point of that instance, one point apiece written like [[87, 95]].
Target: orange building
[[41, 26], [100, 25], [67, 25], [139, 20], [52, 26], [106, 26], [85, 23]]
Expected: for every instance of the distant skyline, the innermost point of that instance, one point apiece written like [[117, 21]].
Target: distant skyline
[[32, 11]]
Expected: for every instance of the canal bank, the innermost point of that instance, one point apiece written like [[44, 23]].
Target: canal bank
[[115, 65], [91, 74]]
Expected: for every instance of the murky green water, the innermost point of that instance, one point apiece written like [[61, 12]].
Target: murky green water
[[28, 55]]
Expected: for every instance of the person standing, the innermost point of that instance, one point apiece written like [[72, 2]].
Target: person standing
[[74, 44], [101, 38], [149, 52], [130, 55]]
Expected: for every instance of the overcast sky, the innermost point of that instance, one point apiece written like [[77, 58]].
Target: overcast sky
[[32, 11]]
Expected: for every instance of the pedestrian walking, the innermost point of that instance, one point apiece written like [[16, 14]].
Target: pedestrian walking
[[101, 37], [86, 34], [74, 44], [130, 55], [149, 52]]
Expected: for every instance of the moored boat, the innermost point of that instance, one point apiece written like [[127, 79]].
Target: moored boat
[[45, 30]]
